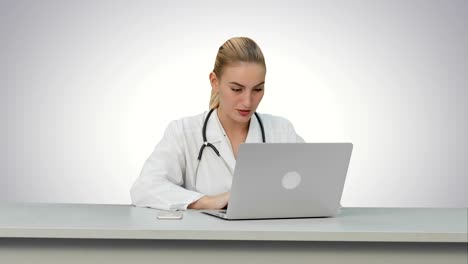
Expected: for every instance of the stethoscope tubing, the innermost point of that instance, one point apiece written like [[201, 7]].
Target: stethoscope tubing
[[208, 144]]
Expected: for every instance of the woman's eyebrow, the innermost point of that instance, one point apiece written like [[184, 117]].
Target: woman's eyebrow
[[238, 84]]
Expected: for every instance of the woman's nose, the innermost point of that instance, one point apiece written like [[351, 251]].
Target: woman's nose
[[247, 99]]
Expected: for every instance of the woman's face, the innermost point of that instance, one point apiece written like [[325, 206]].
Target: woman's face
[[241, 89]]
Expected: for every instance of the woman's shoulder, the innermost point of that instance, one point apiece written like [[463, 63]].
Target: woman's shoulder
[[280, 129], [274, 120]]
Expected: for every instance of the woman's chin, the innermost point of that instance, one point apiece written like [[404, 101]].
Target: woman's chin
[[242, 119]]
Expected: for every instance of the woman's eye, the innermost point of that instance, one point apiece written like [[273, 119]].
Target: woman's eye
[[258, 89], [236, 89]]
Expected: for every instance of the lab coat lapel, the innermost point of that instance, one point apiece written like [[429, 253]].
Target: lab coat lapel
[[214, 134], [255, 133], [224, 146]]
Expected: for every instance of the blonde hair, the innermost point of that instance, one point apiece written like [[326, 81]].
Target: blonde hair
[[237, 49]]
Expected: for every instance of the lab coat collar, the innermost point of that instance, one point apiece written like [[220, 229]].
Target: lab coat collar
[[216, 135], [255, 133], [214, 130]]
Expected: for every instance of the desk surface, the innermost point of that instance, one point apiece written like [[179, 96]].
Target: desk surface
[[129, 222]]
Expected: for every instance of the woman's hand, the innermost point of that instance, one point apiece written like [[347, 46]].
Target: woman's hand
[[213, 202]]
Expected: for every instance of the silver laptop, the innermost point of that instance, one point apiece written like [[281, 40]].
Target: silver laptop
[[287, 180]]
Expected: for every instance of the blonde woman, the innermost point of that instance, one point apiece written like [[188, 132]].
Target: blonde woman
[[193, 164]]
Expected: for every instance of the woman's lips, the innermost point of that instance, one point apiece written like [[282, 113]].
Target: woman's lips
[[244, 112]]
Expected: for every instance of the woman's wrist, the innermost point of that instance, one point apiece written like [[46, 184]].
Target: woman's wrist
[[202, 203]]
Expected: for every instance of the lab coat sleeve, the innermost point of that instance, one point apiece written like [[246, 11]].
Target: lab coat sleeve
[[162, 177]]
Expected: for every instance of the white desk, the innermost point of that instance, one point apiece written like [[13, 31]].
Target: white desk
[[71, 233]]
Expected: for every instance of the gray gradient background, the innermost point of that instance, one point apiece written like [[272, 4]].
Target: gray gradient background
[[88, 87]]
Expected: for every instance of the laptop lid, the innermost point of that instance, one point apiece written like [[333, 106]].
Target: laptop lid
[[288, 180]]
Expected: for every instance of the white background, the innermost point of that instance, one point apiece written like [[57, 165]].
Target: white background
[[88, 87]]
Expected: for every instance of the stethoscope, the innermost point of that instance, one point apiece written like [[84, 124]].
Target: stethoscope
[[208, 144]]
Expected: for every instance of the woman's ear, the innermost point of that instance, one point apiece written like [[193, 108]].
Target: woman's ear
[[214, 81]]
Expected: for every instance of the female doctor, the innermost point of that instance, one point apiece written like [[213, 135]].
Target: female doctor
[[192, 166]]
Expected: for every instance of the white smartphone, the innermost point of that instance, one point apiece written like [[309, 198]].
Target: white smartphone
[[170, 215]]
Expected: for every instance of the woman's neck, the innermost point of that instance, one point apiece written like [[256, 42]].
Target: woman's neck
[[231, 127]]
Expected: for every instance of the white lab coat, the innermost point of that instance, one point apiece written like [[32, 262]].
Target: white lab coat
[[168, 181]]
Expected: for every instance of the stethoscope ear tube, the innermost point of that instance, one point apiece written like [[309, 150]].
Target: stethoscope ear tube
[[261, 126], [204, 126]]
